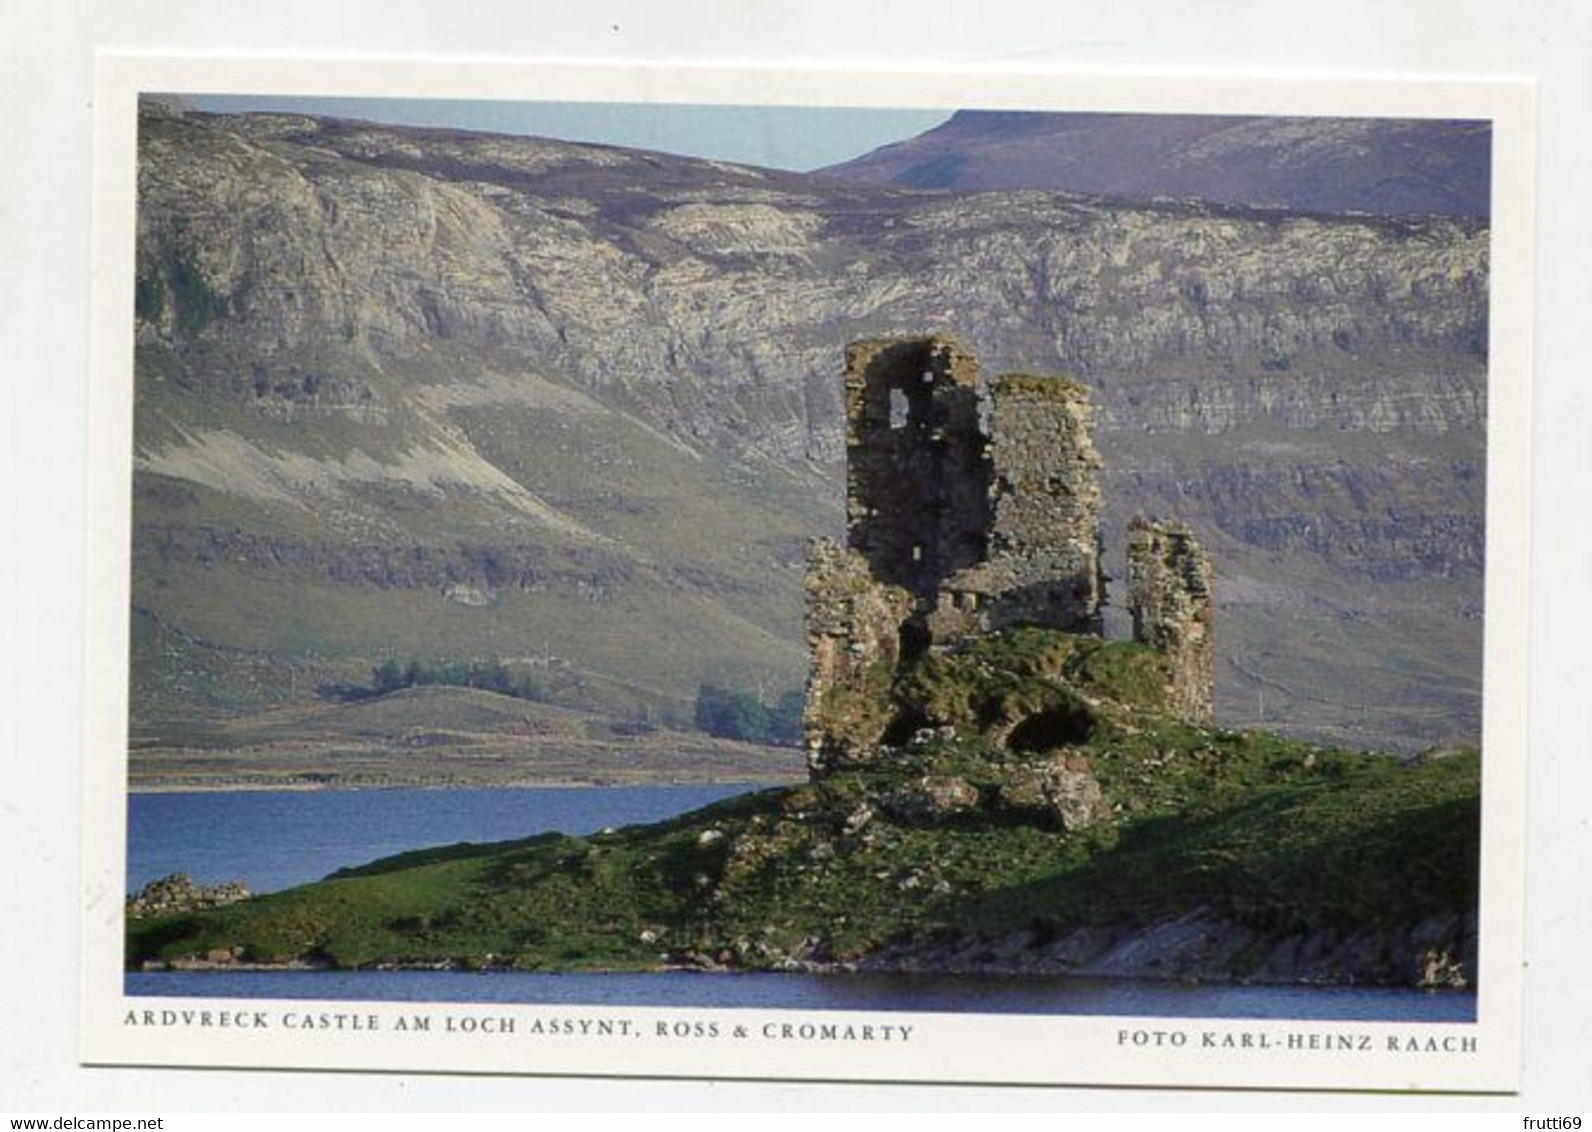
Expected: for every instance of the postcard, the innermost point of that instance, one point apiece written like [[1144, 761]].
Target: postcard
[[982, 576]]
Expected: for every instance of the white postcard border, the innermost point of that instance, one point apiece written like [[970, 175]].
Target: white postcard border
[[1483, 1056]]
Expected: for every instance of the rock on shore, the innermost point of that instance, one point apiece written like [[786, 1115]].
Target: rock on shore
[[178, 893]]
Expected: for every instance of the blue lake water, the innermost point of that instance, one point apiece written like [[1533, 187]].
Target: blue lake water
[[986, 994], [273, 840]]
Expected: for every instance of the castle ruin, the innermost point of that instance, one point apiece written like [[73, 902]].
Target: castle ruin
[[1169, 596], [973, 505]]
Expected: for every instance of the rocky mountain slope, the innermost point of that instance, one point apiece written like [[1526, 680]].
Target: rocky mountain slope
[[419, 393], [1384, 167]]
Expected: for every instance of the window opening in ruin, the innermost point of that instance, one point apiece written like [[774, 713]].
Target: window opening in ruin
[[912, 641], [900, 409]]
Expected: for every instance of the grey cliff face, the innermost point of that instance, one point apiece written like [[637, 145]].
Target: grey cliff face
[[371, 322], [378, 244]]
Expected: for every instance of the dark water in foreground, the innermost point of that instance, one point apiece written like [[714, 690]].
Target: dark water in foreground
[[948, 994], [273, 840]]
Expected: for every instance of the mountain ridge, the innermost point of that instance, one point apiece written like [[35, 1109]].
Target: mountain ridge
[[1383, 167]]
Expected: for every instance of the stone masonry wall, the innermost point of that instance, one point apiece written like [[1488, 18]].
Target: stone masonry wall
[[917, 480], [1044, 543], [1169, 597], [854, 639]]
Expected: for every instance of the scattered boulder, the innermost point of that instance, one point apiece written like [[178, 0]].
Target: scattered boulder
[[858, 819], [178, 893], [931, 799], [1440, 970], [1061, 789], [800, 800]]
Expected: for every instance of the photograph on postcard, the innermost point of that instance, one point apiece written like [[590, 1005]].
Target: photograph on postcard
[[1023, 563]]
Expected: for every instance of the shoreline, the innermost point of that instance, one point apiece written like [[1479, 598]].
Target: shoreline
[[245, 785], [832, 970]]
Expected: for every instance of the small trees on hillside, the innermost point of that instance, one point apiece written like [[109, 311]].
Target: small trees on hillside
[[488, 675], [732, 714]]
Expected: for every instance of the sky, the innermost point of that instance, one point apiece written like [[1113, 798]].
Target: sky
[[776, 137]]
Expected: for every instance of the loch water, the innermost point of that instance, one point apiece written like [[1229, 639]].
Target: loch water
[[273, 840]]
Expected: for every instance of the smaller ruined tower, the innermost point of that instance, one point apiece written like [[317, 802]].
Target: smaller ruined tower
[[1169, 597]]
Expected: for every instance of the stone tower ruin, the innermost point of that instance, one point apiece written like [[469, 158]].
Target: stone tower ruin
[[972, 505], [1169, 597], [980, 501]]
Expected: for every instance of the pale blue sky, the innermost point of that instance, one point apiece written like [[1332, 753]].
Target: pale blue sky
[[778, 137]]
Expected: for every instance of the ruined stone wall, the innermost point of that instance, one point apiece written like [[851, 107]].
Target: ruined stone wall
[[1169, 597], [917, 480], [1044, 543], [972, 507], [854, 639], [983, 503]]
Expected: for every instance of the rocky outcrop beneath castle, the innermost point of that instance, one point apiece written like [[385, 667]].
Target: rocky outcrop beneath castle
[[1061, 791], [1032, 806], [178, 893]]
